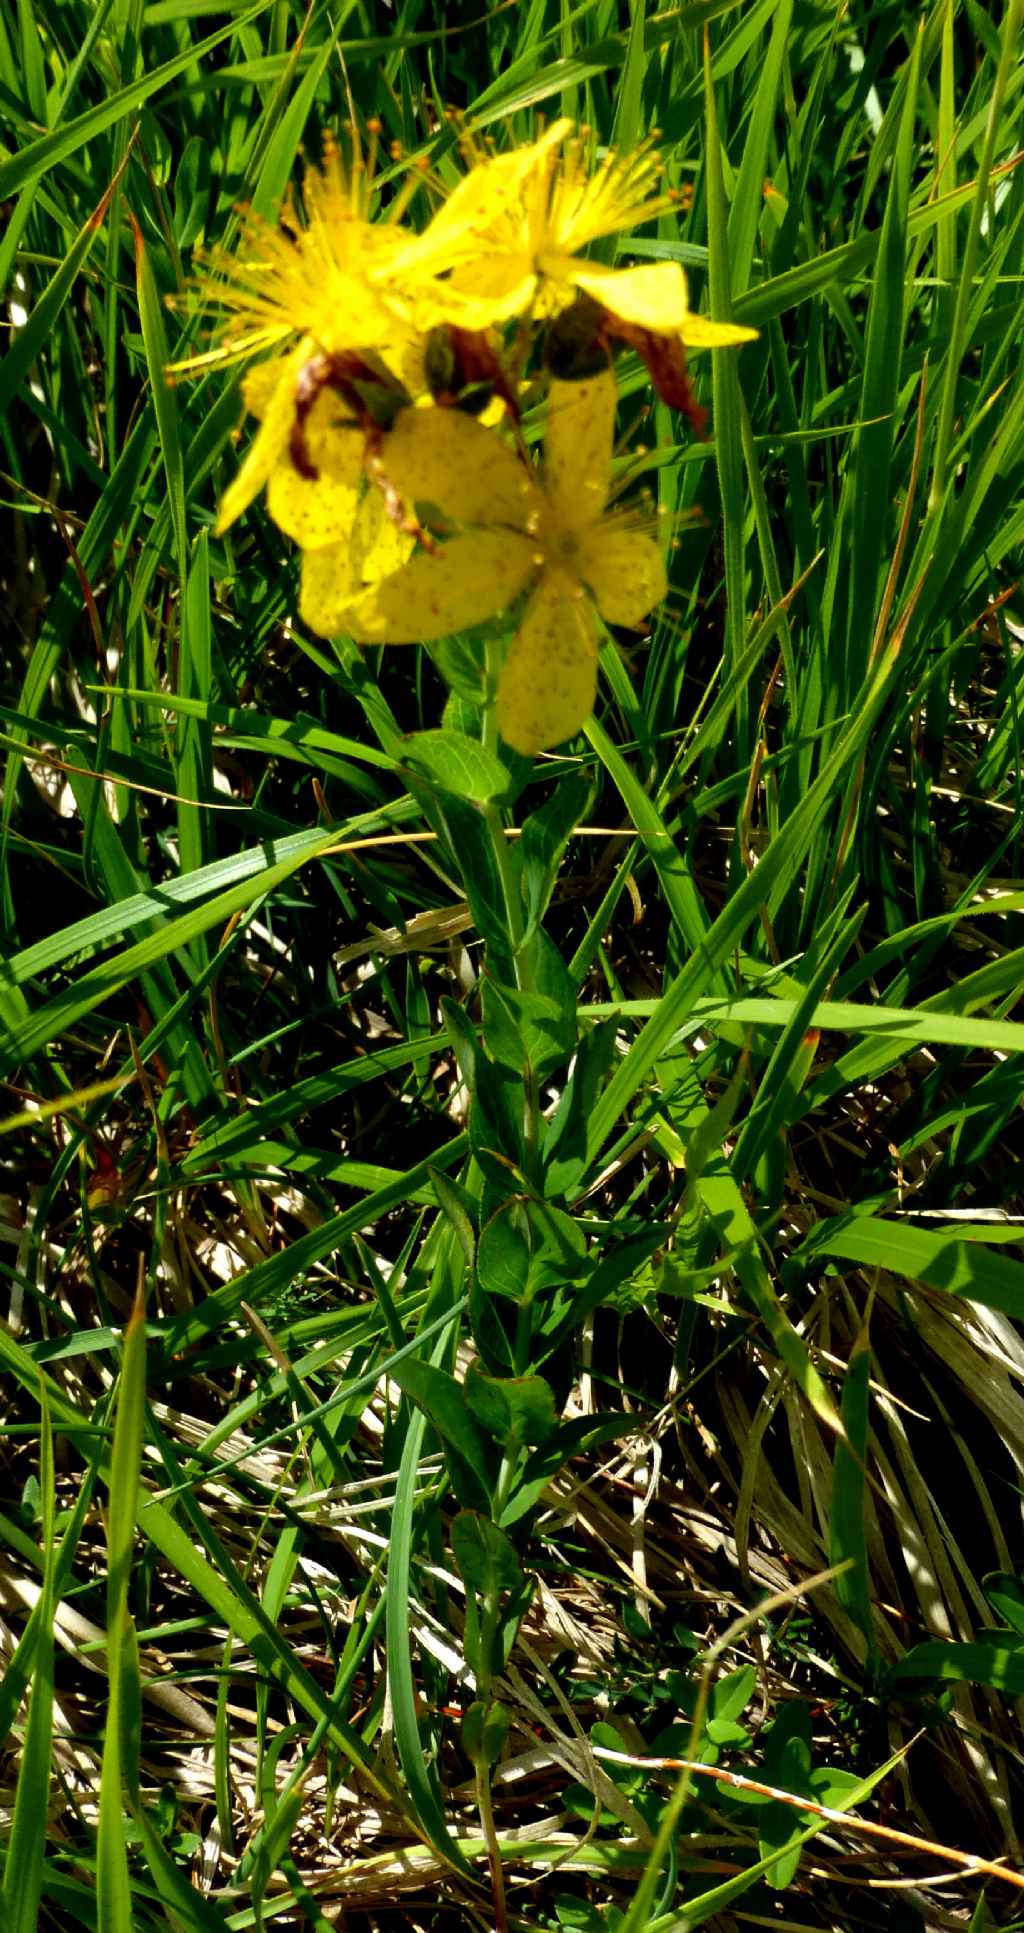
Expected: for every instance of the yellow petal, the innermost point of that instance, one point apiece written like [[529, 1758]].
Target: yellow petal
[[320, 508], [270, 441], [654, 297], [445, 301], [405, 356], [259, 385], [334, 441], [490, 193], [334, 575], [314, 511], [549, 678], [379, 546], [446, 458], [650, 297], [498, 286], [578, 447], [624, 569], [699, 332], [438, 592], [325, 588]]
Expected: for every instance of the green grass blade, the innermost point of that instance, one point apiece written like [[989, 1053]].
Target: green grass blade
[[725, 385], [69, 1007], [745, 213], [1013, 26], [113, 1884], [41, 156], [33, 334], [775, 869], [26, 1843], [165, 398], [870, 492], [848, 1543], [423, 1790], [193, 739], [948, 1262]]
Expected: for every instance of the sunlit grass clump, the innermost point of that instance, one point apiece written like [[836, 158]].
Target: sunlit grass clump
[[511, 1298]]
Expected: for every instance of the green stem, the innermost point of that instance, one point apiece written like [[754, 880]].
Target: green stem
[[516, 929], [485, 1678], [486, 1809]]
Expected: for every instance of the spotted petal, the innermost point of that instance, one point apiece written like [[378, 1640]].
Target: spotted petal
[[625, 571], [549, 679], [578, 448], [450, 589], [313, 511], [490, 194], [445, 458], [333, 576], [326, 588]]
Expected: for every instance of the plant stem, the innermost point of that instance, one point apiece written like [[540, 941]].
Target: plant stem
[[486, 1809], [514, 917]]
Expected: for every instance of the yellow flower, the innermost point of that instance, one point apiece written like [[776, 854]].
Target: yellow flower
[[512, 230], [510, 533], [323, 273], [329, 506], [308, 450], [313, 292]]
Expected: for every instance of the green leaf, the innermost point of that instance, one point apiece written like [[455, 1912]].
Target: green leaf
[[565, 1143], [996, 1660], [165, 403], [513, 1408], [486, 1559], [869, 493], [420, 1778], [495, 1118], [484, 1731], [503, 1258], [459, 1208], [702, 1906], [113, 1884], [787, 1766], [31, 338], [191, 192], [443, 1400], [727, 403], [457, 763], [545, 834], [732, 1694], [1006, 1594], [469, 852], [979, 1921], [568, 1439], [528, 1033]]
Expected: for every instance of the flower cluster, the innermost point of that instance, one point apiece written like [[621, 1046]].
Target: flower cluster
[[388, 372]]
